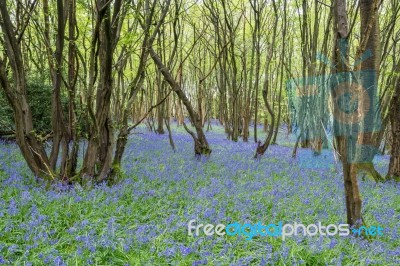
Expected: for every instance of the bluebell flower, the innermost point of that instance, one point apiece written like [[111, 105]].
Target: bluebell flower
[[200, 262], [169, 252], [12, 208], [185, 250], [332, 243]]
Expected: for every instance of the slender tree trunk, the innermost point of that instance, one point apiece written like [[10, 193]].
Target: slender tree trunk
[[262, 148], [266, 90], [352, 194], [282, 58], [256, 43], [72, 79], [160, 84], [58, 123], [171, 140], [394, 164], [138, 81], [201, 146]]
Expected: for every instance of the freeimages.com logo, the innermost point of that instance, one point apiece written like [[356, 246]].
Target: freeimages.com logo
[[249, 231]]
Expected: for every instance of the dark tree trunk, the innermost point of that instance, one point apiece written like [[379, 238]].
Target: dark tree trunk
[[73, 137], [171, 140], [394, 165], [160, 86], [262, 148], [60, 135], [31, 148], [265, 93], [201, 146], [98, 158], [282, 59]]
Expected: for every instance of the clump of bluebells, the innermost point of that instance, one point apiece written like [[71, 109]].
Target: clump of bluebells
[[143, 219]]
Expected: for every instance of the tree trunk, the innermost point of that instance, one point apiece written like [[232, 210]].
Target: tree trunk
[[394, 165], [265, 93], [98, 157], [262, 148], [31, 148], [370, 40], [282, 61], [160, 85], [343, 137], [257, 44], [201, 146], [72, 161], [60, 134]]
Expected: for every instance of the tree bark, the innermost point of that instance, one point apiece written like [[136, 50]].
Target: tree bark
[[60, 135], [265, 93], [138, 81], [73, 64], [98, 158], [343, 139], [370, 40], [31, 148], [394, 164], [201, 146]]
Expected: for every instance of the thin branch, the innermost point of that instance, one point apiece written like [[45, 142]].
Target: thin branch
[[149, 111]]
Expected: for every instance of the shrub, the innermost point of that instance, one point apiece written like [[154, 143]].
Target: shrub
[[39, 98]]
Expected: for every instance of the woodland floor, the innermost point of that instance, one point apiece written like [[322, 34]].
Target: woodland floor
[[143, 219]]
